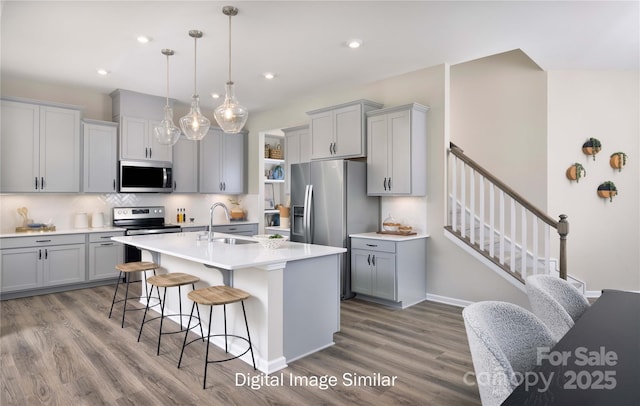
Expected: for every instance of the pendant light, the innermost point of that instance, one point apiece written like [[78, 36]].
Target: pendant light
[[194, 125], [166, 132], [230, 115]]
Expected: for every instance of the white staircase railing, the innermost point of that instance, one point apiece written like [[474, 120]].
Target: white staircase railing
[[499, 223]]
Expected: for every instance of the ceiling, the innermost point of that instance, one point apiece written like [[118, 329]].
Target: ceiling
[[302, 42]]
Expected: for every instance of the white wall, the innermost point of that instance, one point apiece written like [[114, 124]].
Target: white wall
[[604, 237], [499, 118]]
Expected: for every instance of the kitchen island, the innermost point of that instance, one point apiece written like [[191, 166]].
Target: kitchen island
[[294, 308]]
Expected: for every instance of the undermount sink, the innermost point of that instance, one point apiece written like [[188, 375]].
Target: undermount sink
[[233, 241]]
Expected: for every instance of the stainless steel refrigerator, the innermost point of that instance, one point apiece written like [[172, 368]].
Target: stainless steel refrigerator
[[328, 203]]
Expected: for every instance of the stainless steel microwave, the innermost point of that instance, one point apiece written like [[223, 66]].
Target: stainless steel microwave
[[145, 177]]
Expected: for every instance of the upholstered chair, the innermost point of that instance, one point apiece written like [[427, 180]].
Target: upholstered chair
[[503, 339], [556, 302]]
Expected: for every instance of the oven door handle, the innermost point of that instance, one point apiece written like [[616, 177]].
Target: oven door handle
[[154, 231]]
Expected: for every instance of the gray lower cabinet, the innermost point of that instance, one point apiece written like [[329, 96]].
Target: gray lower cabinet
[[36, 262], [248, 229], [239, 229], [391, 271], [104, 255]]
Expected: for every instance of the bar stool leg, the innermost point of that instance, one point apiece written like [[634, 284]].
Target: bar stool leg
[[115, 293], [126, 295], [164, 300], [206, 356], [199, 319], [146, 309], [186, 333], [248, 335], [224, 311]]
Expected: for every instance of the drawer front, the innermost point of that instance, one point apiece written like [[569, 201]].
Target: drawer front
[[102, 237], [244, 229], [373, 245], [41, 240]]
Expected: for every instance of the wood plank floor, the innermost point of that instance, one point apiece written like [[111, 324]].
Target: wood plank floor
[[61, 349]]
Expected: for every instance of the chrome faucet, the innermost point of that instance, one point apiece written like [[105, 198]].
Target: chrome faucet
[[226, 213]]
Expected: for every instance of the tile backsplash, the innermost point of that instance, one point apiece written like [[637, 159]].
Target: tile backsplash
[[60, 209]]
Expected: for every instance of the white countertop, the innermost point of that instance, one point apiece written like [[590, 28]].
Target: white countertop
[[225, 256], [63, 232], [389, 237]]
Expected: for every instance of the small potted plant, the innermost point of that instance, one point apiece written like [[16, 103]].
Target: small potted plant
[[592, 147], [576, 171], [618, 160], [607, 190]]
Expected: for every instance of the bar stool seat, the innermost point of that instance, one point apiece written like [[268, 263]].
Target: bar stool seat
[[169, 280], [215, 296], [126, 269]]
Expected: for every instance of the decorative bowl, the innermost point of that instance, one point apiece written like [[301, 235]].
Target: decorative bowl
[[271, 241]]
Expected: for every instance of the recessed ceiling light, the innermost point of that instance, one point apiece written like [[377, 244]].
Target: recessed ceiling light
[[269, 75], [354, 43], [215, 95], [143, 39], [103, 72]]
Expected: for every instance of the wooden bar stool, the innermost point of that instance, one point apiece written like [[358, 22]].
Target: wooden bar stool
[[165, 281], [215, 296], [125, 271]]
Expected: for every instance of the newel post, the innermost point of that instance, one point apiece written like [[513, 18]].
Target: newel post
[[563, 230]]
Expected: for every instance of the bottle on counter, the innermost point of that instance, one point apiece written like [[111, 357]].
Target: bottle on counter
[[178, 217]]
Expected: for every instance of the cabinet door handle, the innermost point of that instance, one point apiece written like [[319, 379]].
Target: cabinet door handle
[[106, 243], [42, 183], [369, 259], [389, 183], [36, 182], [334, 148], [372, 245], [39, 254], [43, 240], [150, 152], [106, 237], [146, 152], [175, 185], [114, 184], [385, 183], [330, 145], [46, 254], [373, 260]]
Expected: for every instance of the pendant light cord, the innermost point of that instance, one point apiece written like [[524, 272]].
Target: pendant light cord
[[230, 49], [167, 81], [195, 54]]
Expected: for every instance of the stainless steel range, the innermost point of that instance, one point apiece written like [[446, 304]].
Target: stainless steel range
[[138, 221]]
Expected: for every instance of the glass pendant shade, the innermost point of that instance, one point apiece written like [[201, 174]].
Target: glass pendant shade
[[194, 125], [166, 132], [231, 116]]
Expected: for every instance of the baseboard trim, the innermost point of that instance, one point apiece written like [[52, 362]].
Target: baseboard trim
[[448, 300]]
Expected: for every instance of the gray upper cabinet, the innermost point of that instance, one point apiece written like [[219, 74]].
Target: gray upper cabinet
[[40, 148], [100, 139], [137, 115], [222, 163], [397, 150], [339, 131], [185, 166], [297, 149]]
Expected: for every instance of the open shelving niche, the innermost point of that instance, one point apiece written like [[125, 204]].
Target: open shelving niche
[[273, 138]]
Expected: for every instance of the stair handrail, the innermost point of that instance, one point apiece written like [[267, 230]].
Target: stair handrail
[[561, 226]]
